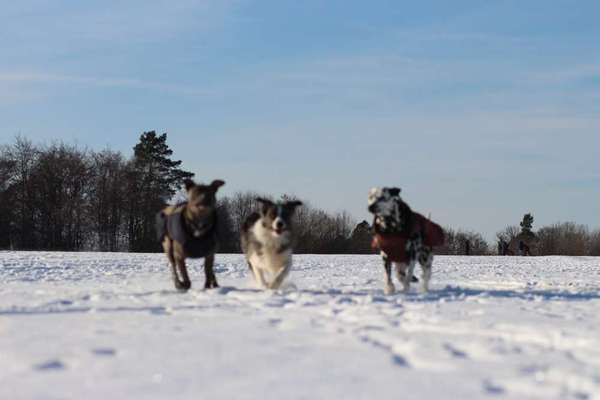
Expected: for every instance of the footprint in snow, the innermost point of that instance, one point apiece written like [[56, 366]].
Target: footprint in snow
[[278, 302], [380, 299], [454, 352], [225, 290], [60, 302], [159, 311], [400, 361], [397, 359], [581, 396], [492, 388], [104, 352], [345, 300], [52, 365]]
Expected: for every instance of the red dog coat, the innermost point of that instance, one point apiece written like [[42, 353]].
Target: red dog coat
[[394, 244]]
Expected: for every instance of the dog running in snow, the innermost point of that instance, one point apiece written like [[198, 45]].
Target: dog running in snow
[[190, 230], [268, 240], [403, 237]]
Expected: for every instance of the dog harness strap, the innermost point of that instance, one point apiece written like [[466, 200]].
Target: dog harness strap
[[176, 228], [194, 247]]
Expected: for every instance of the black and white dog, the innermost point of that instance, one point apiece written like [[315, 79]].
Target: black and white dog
[[403, 237], [268, 241]]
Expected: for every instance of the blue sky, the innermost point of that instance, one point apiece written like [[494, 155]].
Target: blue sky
[[480, 111]]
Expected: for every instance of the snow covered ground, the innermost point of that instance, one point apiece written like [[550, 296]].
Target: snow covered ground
[[110, 326]]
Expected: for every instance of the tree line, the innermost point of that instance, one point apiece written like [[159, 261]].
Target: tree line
[[561, 238], [63, 197]]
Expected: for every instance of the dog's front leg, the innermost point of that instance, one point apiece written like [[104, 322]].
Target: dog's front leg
[[185, 283], [176, 256], [408, 275], [278, 280], [168, 247], [211, 280], [401, 273], [258, 276], [389, 285], [426, 261], [176, 280]]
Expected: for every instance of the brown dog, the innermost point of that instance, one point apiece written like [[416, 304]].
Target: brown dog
[[189, 230]]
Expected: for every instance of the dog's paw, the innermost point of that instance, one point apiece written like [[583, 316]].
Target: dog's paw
[[211, 285], [389, 289], [402, 276], [182, 286]]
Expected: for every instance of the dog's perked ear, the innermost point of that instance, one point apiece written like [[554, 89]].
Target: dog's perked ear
[[264, 201], [394, 191], [291, 205], [265, 204], [189, 184], [216, 184]]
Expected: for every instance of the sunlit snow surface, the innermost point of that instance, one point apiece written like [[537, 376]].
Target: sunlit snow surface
[[110, 326]]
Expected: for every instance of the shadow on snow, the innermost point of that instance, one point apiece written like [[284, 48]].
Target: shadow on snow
[[448, 294]]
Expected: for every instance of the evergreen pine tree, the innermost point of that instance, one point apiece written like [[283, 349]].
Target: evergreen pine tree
[[527, 225], [153, 179], [361, 238]]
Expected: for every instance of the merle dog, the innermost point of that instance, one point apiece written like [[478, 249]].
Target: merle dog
[[403, 237], [268, 241], [190, 230]]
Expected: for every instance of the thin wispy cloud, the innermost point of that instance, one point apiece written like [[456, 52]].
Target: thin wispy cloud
[[112, 20], [43, 78]]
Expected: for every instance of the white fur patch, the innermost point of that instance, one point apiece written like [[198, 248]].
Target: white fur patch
[[374, 195], [385, 204], [271, 260], [386, 207]]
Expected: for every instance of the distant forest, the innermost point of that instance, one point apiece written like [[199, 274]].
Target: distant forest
[[63, 197]]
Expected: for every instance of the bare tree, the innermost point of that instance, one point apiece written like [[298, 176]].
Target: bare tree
[[457, 242], [508, 233], [108, 200], [7, 198], [23, 156], [594, 243], [61, 186], [565, 238]]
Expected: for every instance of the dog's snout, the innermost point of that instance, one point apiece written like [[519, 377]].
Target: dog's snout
[[279, 224], [371, 208]]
